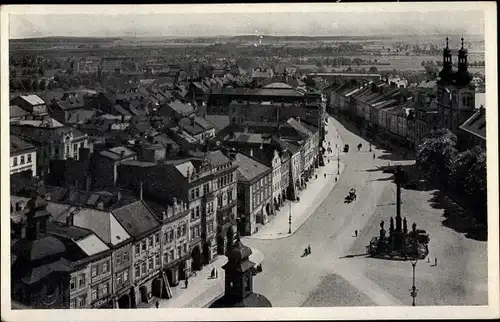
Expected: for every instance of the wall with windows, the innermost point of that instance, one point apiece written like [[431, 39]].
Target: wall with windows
[[79, 288], [23, 162], [122, 260], [100, 279], [146, 257], [175, 235]]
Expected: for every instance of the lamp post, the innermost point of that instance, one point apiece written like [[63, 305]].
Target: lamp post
[[290, 219], [370, 145], [414, 290], [338, 161]]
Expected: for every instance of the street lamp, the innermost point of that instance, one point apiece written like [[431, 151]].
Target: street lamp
[[414, 290], [370, 145], [290, 219], [338, 161]]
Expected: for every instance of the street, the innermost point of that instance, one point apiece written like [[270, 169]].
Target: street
[[338, 274]]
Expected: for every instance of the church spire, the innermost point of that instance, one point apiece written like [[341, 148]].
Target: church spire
[[446, 72], [463, 77]]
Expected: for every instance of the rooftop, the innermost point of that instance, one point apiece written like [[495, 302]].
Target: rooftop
[[33, 99], [136, 218], [18, 145], [476, 124], [249, 168], [16, 111]]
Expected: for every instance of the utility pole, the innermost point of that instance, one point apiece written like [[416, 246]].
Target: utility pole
[[338, 160]]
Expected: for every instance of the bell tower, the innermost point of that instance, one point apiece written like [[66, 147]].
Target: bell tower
[[463, 77], [446, 72]]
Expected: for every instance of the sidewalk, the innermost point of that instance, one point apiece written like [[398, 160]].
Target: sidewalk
[[310, 198], [202, 289]]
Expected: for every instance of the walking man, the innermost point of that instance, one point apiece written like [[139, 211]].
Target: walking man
[[356, 233], [157, 304], [309, 249], [186, 283], [435, 261]]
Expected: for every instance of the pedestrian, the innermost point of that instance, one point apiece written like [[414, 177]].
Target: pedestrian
[[157, 304], [428, 259], [325, 175], [212, 275], [435, 261], [356, 233], [309, 249], [186, 283], [216, 273], [335, 179], [373, 156]]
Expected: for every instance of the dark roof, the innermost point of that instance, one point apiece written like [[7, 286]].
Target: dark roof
[[476, 124], [217, 158], [219, 121], [249, 168], [18, 145], [42, 135], [32, 250], [73, 232], [37, 273], [78, 116], [190, 126], [253, 300], [136, 218], [70, 101]]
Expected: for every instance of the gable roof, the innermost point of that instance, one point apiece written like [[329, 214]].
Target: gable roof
[[136, 218], [249, 169], [16, 111], [476, 124]]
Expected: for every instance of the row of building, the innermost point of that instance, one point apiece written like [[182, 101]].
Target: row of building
[[404, 116]]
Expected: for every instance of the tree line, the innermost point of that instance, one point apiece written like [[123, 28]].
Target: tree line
[[463, 173]]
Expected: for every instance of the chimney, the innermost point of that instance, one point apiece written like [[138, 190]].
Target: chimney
[[251, 152], [298, 119], [70, 219], [140, 192], [19, 205], [164, 215], [192, 121], [118, 196], [122, 154], [100, 205], [245, 130]]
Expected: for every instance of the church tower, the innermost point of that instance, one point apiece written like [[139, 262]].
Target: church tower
[[455, 97]]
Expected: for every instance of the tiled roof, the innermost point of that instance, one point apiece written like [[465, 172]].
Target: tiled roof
[[18, 145], [115, 153], [181, 108], [249, 168], [219, 121], [278, 86], [41, 135], [79, 116], [136, 218], [73, 232], [204, 123], [70, 101], [217, 158], [190, 126], [47, 123]]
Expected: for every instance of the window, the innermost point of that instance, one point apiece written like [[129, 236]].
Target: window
[[143, 244], [219, 201], [72, 304], [197, 192], [197, 211], [125, 257], [230, 195], [22, 159], [118, 259], [192, 194], [165, 258], [197, 230], [72, 284], [137, 250], [143, 268], [82, 301], [205, 188], [165, 237], [67, 149], [171, 235], [157, 260], [184, 230], [105, 267], [179, 254], [75, 148], [81, 145], [192, 214], [172, 254], [157, 238], [150, 239], [105, 289], [150, 263], [82, 281], [94, 294], [94, 271], [137, 271], [14, 161], [56, 150], [119, 279], [29, 158], [185, 248], [125, 276]]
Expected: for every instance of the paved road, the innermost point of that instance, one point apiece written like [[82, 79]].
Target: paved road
[[325, 278]]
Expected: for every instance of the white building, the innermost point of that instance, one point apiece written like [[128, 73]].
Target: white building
[[22, 156]]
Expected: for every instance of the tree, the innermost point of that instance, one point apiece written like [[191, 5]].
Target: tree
[[373, 70], [431, 72], [436, 154], [34, 85], [43, 85], [27, 84]]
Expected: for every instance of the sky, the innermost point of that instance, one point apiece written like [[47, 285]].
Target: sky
[[221, 22]]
